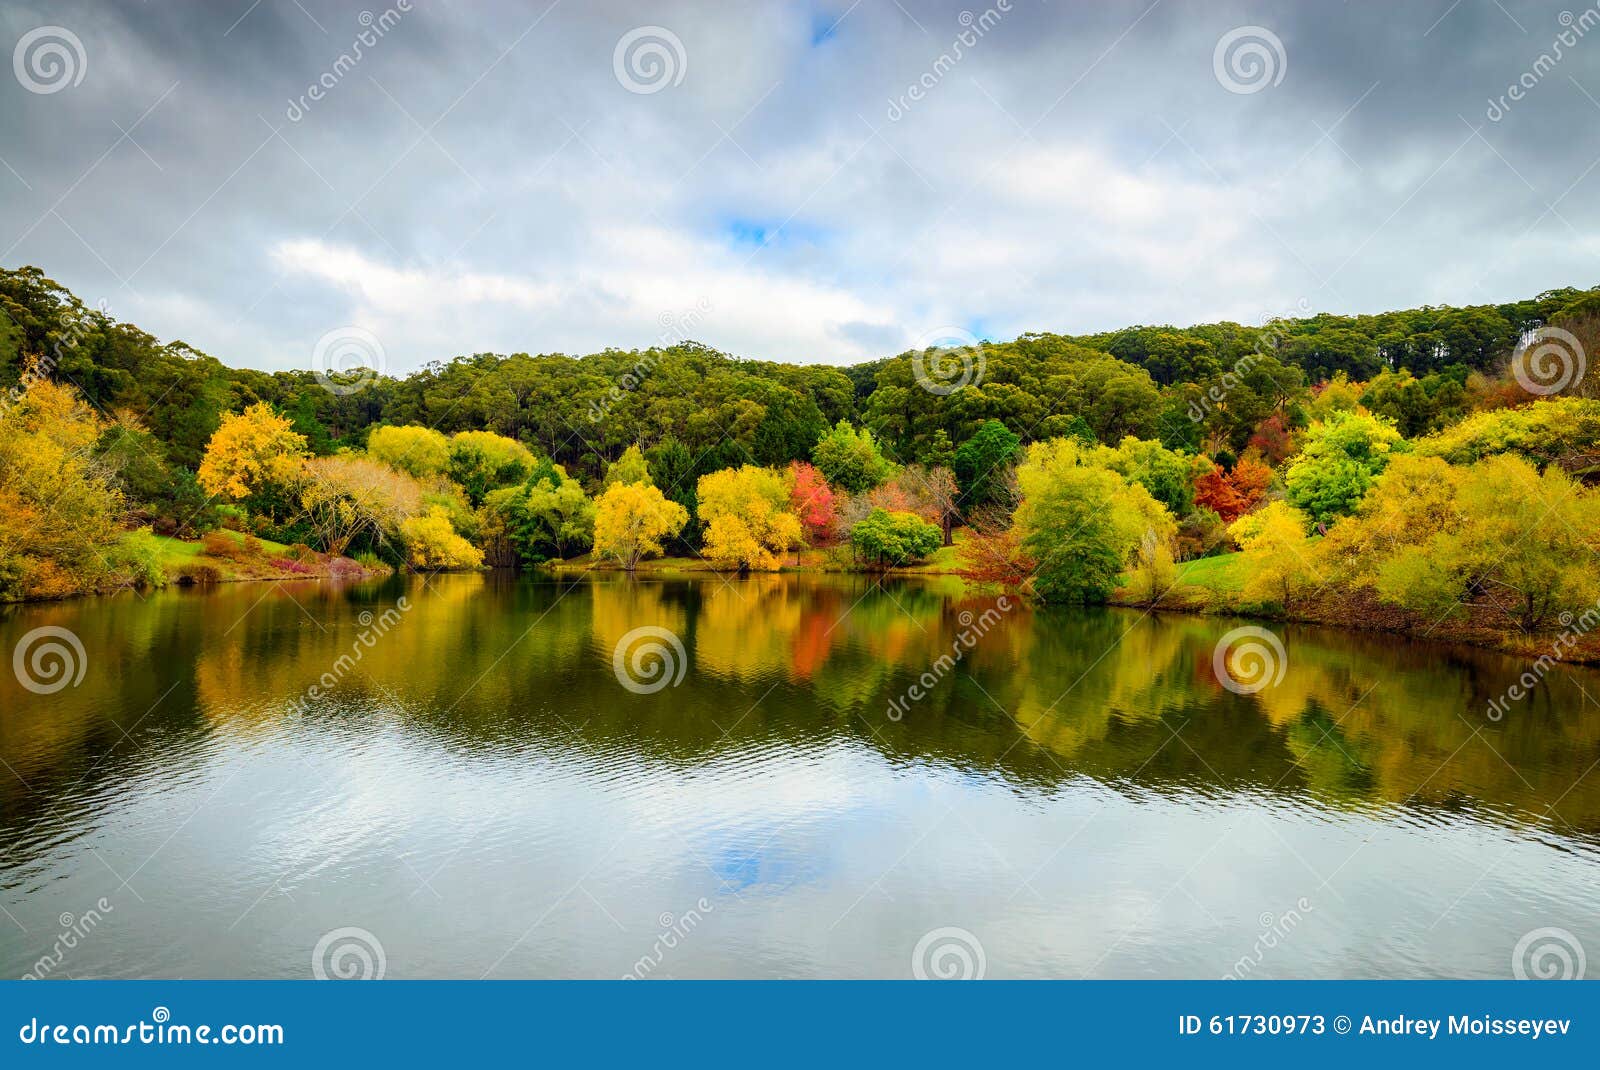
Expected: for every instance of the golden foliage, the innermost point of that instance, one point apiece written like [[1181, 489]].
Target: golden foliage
[[748, 519], [632, 519], [431, 543], [251, 452]]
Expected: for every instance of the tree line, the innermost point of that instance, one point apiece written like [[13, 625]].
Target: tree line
[[1078, 466]]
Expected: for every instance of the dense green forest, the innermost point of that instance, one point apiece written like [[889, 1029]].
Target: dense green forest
[[1077, 466], [582, 412]]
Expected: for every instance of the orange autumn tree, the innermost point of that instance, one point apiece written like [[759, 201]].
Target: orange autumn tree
[[1250, 478], [1233, 494]]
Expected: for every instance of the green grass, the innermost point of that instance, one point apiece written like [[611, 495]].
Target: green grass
[[177, 554], [1223, 573]]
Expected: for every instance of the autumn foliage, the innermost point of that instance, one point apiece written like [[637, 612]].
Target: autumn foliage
[[1233, 494], [813, 501]]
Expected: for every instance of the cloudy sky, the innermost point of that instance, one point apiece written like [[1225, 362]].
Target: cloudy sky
[[565, 177]]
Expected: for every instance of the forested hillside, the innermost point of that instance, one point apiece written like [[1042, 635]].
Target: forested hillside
[[1075, 466]]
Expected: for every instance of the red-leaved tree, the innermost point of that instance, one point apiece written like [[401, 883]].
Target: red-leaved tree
[[813, 501]]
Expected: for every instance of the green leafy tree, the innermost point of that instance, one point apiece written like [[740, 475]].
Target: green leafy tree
[[982, 462], [1340, 458], [547, 517], [891, 539], [850, 459], [1081, 522], [481, 461], [631, 467]]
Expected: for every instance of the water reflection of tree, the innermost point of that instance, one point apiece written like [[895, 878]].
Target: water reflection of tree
[[493, 666]]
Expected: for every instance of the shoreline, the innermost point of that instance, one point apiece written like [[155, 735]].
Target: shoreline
[[1203, 590]]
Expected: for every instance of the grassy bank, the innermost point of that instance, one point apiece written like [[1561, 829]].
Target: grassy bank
[[228, 556]]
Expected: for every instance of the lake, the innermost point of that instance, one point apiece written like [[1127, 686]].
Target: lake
[[785, 776]]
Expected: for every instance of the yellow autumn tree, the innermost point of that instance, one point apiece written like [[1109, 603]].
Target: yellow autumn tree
[[346, 496], [60, 510], [631, 520], [1280, 560], [422, 451], [747, 517], [253, 454], [432, 543]]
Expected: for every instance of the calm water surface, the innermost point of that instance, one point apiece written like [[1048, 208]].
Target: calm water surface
[[482, 795]]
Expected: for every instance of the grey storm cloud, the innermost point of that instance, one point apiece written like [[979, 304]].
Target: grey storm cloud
[[787, 181]]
